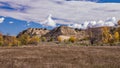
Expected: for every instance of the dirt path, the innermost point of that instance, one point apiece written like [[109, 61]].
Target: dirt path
[[60, 57]]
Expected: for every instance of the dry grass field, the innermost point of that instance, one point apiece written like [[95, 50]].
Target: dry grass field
[[56, 56]]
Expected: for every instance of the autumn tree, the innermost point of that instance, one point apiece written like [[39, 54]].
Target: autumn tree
[[10, 41], [106, 36], [1, 40], [24, 39], [34, 40], [116, 37]]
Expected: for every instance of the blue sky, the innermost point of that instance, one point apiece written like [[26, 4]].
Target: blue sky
[[16, 16], [109, 1]]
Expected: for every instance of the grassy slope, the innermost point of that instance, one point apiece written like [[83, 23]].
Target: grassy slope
[[51, 56]]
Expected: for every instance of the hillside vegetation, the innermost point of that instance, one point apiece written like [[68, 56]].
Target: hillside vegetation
[[92, 36]]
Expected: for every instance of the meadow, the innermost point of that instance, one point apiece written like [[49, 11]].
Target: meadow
[[51, 55]]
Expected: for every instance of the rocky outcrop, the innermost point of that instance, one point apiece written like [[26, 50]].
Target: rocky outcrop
[[53, 34], [92, 34], [34, 32], [66, 31], [118, 22]]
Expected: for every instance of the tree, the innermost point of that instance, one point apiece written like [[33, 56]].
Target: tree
[[10, 41], [1, 40], [106, 36], [116, 36], [34, 40], [24, 39]]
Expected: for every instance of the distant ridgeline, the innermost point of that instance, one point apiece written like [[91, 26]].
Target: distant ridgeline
[[105, 34], [97, 35]]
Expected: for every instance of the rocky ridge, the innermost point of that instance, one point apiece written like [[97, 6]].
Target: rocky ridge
[[34, 32], [62, 30]]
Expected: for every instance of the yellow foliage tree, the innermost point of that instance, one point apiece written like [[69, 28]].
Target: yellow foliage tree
[[1, 40], [15, 42], [106, 36], [11, 41], [34, 40], [116, 36], [24, 39]]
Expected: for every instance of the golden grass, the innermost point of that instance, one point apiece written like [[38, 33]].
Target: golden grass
[[52, 56]]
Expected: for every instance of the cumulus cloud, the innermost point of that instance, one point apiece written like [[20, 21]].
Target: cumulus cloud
[[2, 19], [73, 11], [92, 24], [49, 21]]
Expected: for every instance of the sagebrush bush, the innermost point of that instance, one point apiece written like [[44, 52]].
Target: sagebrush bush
[[43, 39], [72, 39], [59, 39], [34, 40], [51, 39]]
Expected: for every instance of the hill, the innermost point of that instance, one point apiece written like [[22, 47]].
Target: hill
[[34, 32], [66, 31], [94, 35]]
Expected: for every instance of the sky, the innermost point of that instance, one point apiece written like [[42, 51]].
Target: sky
[[18, 15]]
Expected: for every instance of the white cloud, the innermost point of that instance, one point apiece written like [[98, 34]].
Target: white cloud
[[49, 21], [92, 24], [11, 22], [2, 19], [74, 11], [28, 24], [75, 26]]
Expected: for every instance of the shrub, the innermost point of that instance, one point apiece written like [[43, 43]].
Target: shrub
[[34, 40], [51, 39], [43, 39], [16, 42], [72, 39], [59, 39], [1, 40], [84, 39], [11, 41], [24, 39]]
